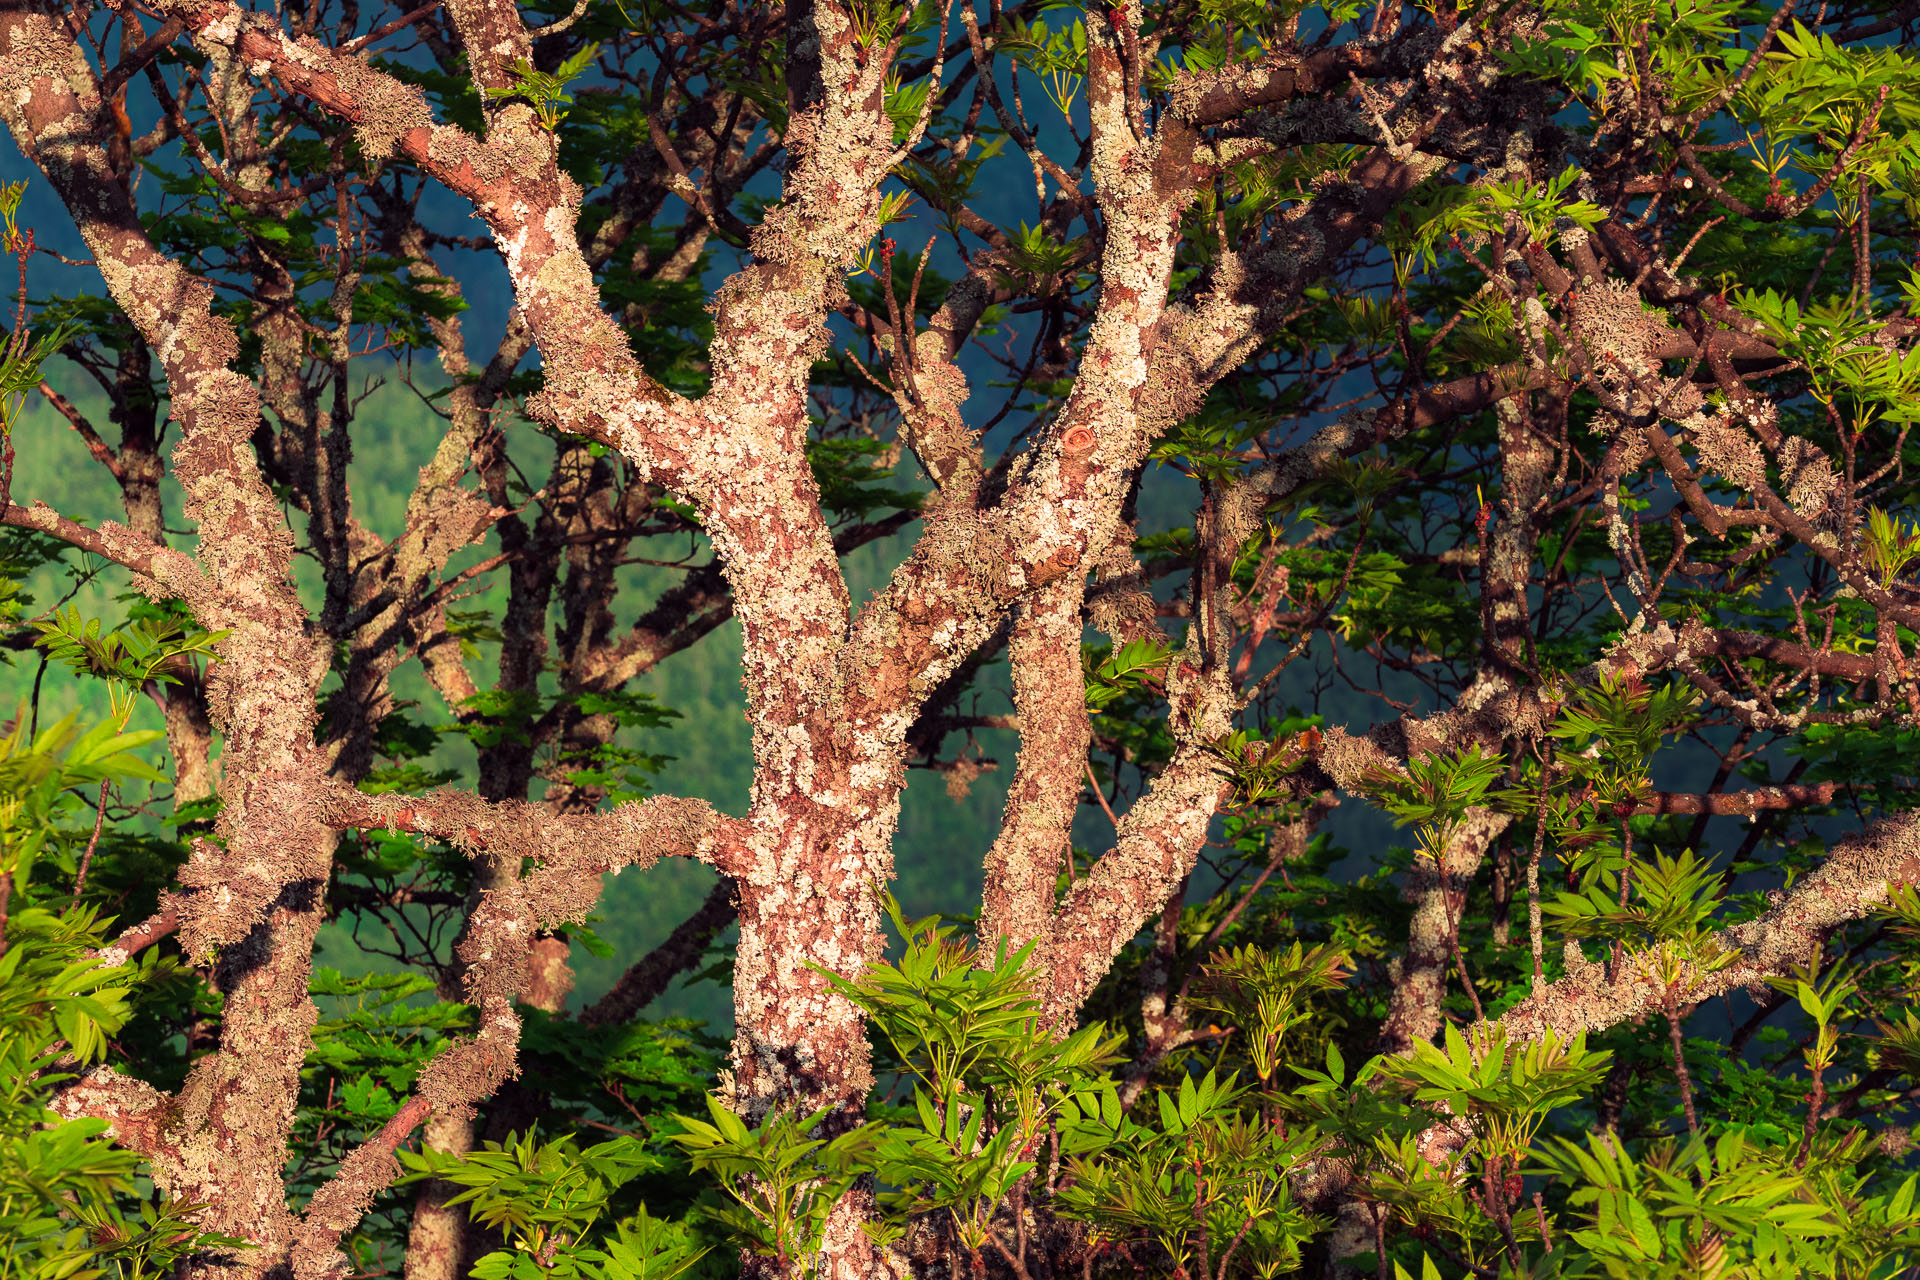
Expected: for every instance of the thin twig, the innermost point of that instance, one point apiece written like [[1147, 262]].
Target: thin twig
[[86, 859], [1680, 1068], [1101, 796], [1534, 936], [404, 20]]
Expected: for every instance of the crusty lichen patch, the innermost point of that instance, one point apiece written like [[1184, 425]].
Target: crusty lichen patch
[[386, 109]]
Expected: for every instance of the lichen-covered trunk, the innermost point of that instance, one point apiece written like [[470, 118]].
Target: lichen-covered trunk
[[138, 468], [229, 1140], [437, 1239], [1509, 537], [1439, 892], [1035, 840], [811, 903], [253, 902], [797, 1041], [827, 774], [260, 902]]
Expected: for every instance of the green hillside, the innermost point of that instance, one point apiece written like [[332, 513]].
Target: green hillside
[[941, 843]]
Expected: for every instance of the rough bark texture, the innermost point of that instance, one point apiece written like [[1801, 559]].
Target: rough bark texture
[[1026, 549], [1035, 844], [1856, 878], [1439, 892]]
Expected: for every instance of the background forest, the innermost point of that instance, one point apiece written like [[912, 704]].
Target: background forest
[[945, 839]]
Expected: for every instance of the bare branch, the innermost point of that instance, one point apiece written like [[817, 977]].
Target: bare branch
[[647, 978]]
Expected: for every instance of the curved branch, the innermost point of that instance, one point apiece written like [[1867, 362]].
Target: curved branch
[[1220, 95], [1855, 880], [175, 571]]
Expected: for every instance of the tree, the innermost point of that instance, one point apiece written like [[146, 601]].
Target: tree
[[1553, 362]]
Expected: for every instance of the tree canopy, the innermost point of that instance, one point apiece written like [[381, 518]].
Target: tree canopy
[[1493, 417]]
